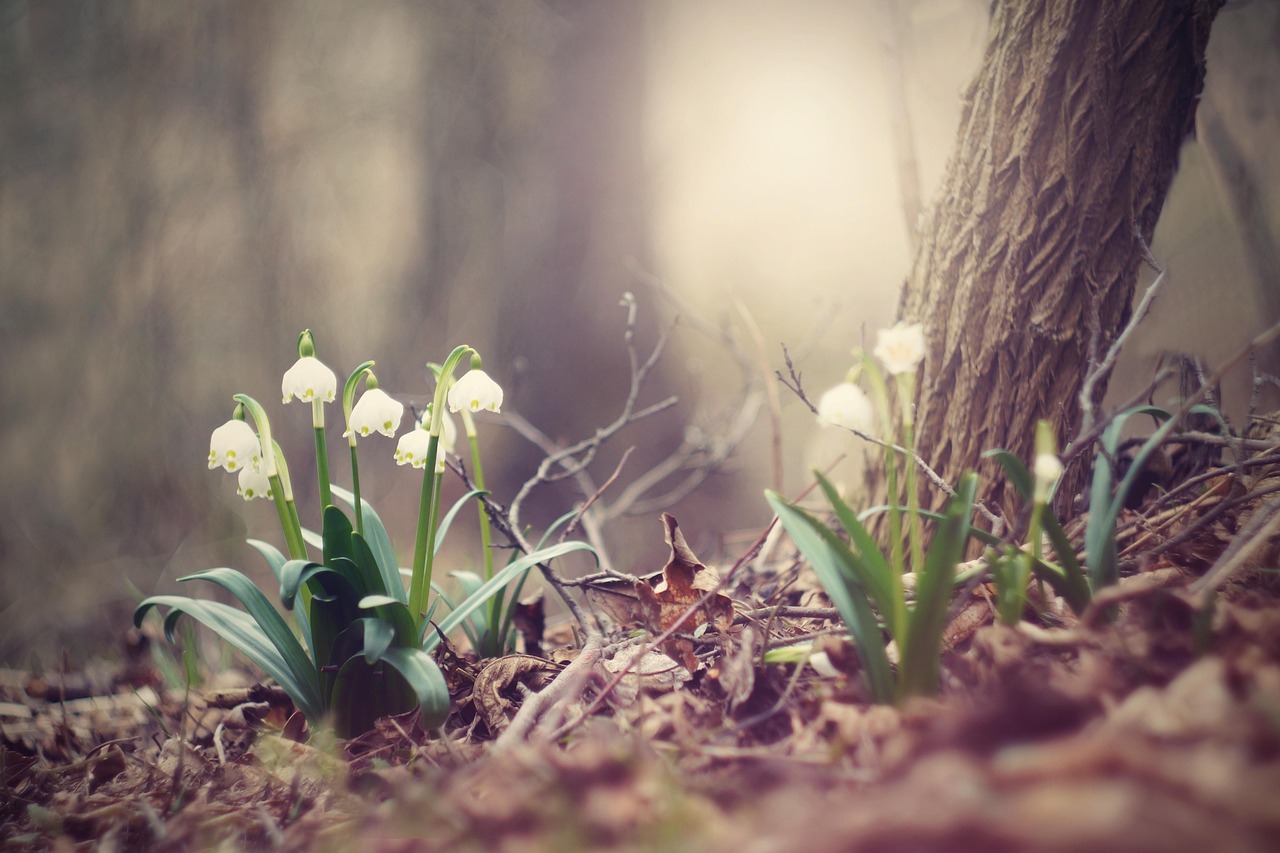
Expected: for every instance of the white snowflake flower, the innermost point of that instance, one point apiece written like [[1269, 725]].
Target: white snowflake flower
[[900, 349], [233, 446], [845, 405], [375, 411], [474, 392], [309, 380]]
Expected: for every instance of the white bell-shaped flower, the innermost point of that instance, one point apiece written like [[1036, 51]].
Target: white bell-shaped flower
[[233, 446], [375, 411], [900, 349], [475, 391], [845, 405], [411, 449], [309, 380], [253, 483]]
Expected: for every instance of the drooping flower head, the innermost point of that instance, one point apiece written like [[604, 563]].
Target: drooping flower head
[[234, 446], [475, 391], [845, 405], [412, 447], [309, 380], [900, 349], [375, 411], [253, 483]]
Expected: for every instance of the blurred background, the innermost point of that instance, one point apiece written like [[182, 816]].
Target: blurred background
[[186, 186]]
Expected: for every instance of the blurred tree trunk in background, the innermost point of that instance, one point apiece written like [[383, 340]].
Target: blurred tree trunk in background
[[560, 317], [1067, 146], [535, 199]]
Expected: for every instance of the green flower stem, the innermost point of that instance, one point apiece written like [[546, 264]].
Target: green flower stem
[[906, 395], [420, 582], [355, 488], [424, 548], [486, 536], [322, 458], [348, 402], [278, 474]]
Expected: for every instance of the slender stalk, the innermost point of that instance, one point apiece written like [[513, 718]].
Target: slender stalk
[[322, 454], [420, 582], [496, 603], [906, 394], [355, 488], [424, 548], [348, 402]]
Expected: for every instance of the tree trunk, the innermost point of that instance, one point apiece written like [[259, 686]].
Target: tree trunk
[[1067, 146]]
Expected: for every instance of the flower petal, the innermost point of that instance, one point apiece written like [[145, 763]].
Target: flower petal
[[412, 448], [474, 392], [309, 380], [233, 446], [253, 483], [900, 349], [845, 405], [376, 411]]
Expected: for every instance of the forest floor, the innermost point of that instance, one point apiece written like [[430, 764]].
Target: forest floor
[[1158, 729]]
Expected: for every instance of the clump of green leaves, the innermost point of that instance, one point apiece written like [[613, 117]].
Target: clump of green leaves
[[861, 582], [360, 643]]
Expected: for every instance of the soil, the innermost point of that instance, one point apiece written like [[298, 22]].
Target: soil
[[1152, 723]]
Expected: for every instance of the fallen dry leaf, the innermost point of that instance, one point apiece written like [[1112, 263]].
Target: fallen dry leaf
[[685, 581]]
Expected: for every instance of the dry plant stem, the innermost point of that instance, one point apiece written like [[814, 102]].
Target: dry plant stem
[[502, 521], [671, 631], [1259, 531], [1087, 437], [1222, 507], [788, 612], [998, 522], [1235, 468], [576, 457], [569, 683], [699, 454], [1131, 587], [1100, 371], [595, 496], [1206, 388]]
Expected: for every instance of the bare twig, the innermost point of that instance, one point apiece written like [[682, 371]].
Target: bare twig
[[568, 683], [1256, 534], [576, 457], [1102, 370]]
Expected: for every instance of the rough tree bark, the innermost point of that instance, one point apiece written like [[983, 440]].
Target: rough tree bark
[[1068, 142]]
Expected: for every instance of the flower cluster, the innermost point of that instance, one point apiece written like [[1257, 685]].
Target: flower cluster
[[235, 446]]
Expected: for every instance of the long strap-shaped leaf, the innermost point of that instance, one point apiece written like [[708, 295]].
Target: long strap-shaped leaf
[[920, 653], [834, 564], [260, 608], [873, 570], [238, 629], [375, 535], [494, 584]]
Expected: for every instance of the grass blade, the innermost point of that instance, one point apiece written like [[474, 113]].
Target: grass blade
[[832, 562], [922, 649]]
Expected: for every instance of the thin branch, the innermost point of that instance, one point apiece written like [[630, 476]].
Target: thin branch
[[567, 684], [1101, 371], [997, 521]]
